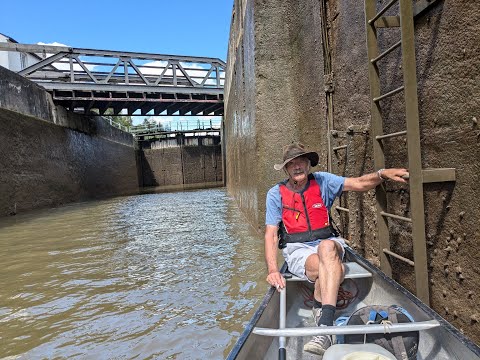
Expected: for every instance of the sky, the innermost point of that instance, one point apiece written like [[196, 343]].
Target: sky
[[173, 27]]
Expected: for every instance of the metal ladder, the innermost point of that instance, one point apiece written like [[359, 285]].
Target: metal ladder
[[418, 176]]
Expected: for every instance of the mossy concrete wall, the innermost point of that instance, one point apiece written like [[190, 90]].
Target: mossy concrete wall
[[275, 94], [50, 157]]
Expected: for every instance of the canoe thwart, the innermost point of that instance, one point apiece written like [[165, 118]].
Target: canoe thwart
[[353, 270], [349, 329]]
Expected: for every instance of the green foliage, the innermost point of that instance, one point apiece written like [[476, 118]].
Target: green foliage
[[119, 119], [123, 120]]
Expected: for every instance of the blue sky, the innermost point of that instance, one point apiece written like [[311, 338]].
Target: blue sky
[[176, 27]]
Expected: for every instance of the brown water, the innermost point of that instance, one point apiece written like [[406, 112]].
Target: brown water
[[157, 276]]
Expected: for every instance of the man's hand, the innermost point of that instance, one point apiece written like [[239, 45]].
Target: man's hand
[[400, 175], [276, 280]]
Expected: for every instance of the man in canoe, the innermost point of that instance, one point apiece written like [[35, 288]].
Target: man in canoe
[[300, 207]]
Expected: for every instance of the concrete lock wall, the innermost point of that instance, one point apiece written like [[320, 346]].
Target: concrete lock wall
[[181, 163], [49, 157], [280, 74], [274, 95]]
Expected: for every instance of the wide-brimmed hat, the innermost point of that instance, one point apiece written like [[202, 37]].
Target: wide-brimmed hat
[[295, 150]]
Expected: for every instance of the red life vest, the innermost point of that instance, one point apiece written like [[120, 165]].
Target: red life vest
[[304, 214]]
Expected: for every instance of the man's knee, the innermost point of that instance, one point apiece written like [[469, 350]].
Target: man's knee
[[327, 247]]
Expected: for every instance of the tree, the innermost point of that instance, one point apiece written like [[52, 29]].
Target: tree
[[151, 123], [123, 120], [119, 119]]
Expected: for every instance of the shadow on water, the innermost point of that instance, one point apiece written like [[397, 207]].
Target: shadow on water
[[169, 275]]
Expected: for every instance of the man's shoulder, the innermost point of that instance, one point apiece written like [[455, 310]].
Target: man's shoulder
[[318, 175], [325, 175], [274, 189], [322, 173]]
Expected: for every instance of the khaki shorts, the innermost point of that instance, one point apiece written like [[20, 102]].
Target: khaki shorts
[[296, 255]]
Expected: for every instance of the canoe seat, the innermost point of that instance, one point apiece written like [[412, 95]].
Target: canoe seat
[[352, 271]]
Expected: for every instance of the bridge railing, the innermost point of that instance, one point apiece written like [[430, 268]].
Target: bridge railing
[[99, 68], [176, 126]]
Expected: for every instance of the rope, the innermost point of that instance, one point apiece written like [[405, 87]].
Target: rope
[[365, 335], [345, 297], [307, 294], [386, 326]]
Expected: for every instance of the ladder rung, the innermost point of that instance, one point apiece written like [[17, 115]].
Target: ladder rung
[[421, 5], [404, 259], [386, 52], [381, 12], [390, 93], [398, 217], [339, 208], [340, 147], [438, 175], [400, 133], [387, 22], [394, 21]]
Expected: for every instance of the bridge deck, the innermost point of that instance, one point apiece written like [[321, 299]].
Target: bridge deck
[[145, 102]]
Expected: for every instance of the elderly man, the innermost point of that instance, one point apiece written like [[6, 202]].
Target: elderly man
[[300, 206]]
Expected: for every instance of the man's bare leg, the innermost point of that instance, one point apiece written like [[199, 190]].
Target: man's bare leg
[[328, 271]]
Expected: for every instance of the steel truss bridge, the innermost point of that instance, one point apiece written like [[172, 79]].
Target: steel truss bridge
[[94, 81]]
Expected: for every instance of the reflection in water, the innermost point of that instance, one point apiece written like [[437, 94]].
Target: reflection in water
[[164, 276]]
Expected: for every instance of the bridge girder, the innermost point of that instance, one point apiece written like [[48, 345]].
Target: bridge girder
[[87, 79]]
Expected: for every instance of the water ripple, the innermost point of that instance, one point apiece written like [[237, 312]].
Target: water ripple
[[157, 276]]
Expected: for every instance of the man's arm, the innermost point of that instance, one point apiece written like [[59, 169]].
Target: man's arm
[[369, 181], [274, 277]]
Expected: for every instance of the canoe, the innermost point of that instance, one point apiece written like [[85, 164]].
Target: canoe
[[283, 322]]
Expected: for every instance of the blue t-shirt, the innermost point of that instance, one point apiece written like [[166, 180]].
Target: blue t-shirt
[[331, 186]]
